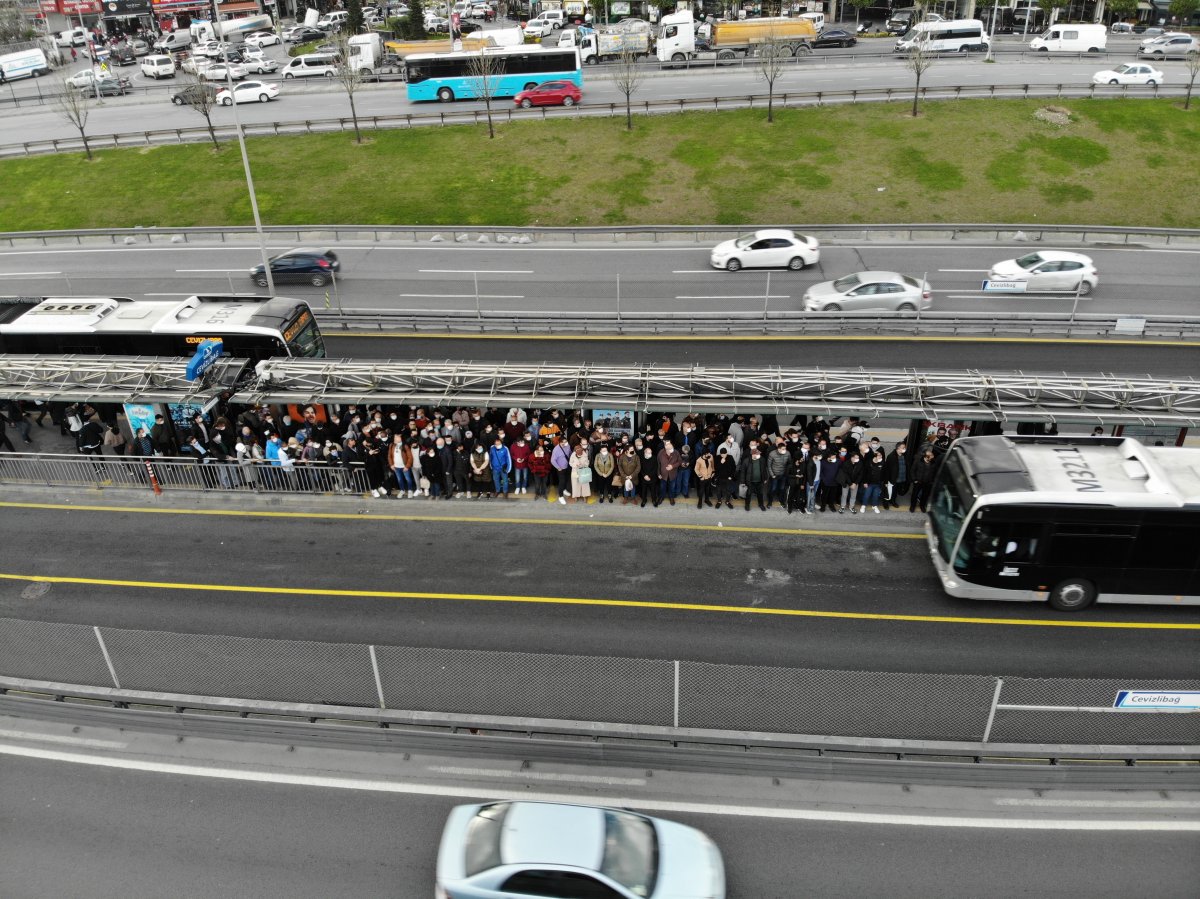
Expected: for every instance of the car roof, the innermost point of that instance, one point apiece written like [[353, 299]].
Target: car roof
[[1060, 255], [775, 232], [877, 276], [551, 833]]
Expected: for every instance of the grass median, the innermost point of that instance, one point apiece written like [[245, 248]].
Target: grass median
[[1113, 162]]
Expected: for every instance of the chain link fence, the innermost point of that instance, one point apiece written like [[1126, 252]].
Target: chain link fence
[[654, 692]]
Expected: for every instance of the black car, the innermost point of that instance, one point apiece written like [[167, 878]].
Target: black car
[[835, 37], [108, 87], [303, 265], [122, 55], [193, 95], [304, 35]]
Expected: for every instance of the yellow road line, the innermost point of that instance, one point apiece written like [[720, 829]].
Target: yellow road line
[[606, 603], [466, 519], [760, 338]]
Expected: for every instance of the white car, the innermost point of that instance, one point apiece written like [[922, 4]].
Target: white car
[[520, 849], [219, 71], [869, 291], [85, 78], [1129, 73], [1172, 44], [772, 248], [194, 65], [211, 49], [263, 39], [249, 92], [259, 65], [538, 29], [1049, 271]]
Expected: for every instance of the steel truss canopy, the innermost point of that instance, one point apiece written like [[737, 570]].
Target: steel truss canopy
[[115, 379], [907, 393]]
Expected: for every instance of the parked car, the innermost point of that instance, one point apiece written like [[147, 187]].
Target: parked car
[[772, 248], [550, 93], [1148, 30], [538, 29], [140, 47], [522, 849], [303, 265], [835, 37], [82, 78], [220, 71], [193, 94], [869, 292], [212, 49], [249, 92], [1129, 73], [437, 23], [262, 39], [1049, 271], [304, 34], [107, 87], [1180, 45], [482, 11], [158, 67]]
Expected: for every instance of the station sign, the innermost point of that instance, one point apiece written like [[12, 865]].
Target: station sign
[[206, 356], [1005, 286], [1157, 699]]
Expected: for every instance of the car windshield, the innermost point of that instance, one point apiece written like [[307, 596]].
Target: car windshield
[[630, 852], [745, 240], [482, 850], [841, 285], [1122, 69], [1030, 260]]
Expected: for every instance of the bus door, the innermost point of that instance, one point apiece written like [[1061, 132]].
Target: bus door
[[999, 553]]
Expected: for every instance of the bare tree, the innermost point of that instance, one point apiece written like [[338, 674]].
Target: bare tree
[[918, 60], [74, 106], [349, 74], [202, 97], [628, 77], [1192, 62], [483, 75], [772, 53]]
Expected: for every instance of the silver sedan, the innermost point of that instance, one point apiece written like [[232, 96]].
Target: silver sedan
[[869, 291]]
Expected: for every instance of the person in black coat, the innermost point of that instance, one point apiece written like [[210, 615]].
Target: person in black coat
[[897, 475], [726, 478], [797, 495], [850, 477], [924, 471], [433, 471]]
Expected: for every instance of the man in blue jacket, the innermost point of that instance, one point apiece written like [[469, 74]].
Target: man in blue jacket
[[501, 462]]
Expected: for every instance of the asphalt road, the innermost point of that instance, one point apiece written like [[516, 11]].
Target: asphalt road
[[73, 830], [569, 277], [874, 566], [149, 107]]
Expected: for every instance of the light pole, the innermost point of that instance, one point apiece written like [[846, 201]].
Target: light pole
[[992, 39]]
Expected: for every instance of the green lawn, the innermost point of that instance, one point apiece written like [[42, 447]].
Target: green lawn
[[1131, 162]]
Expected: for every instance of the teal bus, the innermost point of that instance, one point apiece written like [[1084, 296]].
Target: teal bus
[[458, 75]]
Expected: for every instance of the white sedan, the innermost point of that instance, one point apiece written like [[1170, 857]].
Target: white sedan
[[259, 65], [772, 248], [85, 78], [220, 72], [1049, 270], [249, 92], [263, 39], [1129, 73]]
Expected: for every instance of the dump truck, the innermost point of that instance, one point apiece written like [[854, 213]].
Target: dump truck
[[681, 39], [596, 46]]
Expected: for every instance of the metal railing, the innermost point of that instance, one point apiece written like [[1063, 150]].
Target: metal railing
[[160, 473], [670, 695], [509, 114]]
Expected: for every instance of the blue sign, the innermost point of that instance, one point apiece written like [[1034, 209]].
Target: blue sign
[[1157, 699], [206, 356]]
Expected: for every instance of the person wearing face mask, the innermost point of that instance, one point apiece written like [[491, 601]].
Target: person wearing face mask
[[604, 465], [797, 493], [520, 452], [703, 471], [629, 469], [726, 477], [896, 475], [500, 460], [850, 478], [539, 469], [648, 477], [872, 482], [778, 468], [560, 461], [481, 471], [752, 472], [830, 491]]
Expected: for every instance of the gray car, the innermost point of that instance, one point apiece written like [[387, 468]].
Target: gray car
[[869, 291], [519, 849]]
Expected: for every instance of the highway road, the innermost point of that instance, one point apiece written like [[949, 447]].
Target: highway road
[[570, 277], [675, 558], [835, 71]]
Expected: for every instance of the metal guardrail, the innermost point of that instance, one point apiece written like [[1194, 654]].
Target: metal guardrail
[[419, 321], [509, 114]]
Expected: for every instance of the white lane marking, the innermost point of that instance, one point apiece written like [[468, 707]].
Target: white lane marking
[[651, 805], [1101, 803], [1022, 296], [537, 775], [479, 271], [190, 271], [464, 296], [177, 294], [82, 742], [977, 271], [757, 296], [693, 271], [25, 274]]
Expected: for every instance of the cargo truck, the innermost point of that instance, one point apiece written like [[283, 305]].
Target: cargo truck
[[680, 39], [597, 46], [231, 30], [494, 37]]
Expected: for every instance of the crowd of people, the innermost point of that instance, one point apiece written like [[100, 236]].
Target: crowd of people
[[808, 465]]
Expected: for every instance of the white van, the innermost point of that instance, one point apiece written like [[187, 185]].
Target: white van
[[817, 18], [158, 67], [554, 17], [75, 37], [311, 64], [24, 64], [956, 36], [332, 21], [1072, 39], [173, 40]]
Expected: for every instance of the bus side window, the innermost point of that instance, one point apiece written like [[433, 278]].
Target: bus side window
[[1021, 548]]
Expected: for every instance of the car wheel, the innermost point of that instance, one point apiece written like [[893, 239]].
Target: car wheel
[[178, 101], [288, 75], [796, 263], [1085, 288], [1072, 595], [831, 307], [329, 74], [526, 103], [228, 101], [260, 281], [318, 280], [263, 98], [555, 26], [1113, 81], [906, 307], [568, 101], [733, 265], [1151, 82], [678, 57], [445, 94]]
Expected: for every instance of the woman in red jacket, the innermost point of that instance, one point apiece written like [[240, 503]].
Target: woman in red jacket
[[539, 467], [520, 453]]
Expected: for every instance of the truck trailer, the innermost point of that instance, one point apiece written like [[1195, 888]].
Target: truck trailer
[[597, 46], [680, 39], [232, 30]]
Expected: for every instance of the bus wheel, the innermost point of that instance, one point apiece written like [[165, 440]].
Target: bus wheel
[[530, 86], [445, 94], [1072, 595]]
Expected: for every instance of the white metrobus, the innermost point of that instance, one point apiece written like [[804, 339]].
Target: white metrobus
[[1067, 521], [956, 36]]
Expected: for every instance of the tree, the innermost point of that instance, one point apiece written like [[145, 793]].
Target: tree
[[74, 106], [1122, 9], [1050, 7], [628, 77], [202, 97], [483, 73], [860, 5], [770, 60], [1193, 67], [348, 75], [354, 22], [416, 22], [1182, 10], [13, 27], [918, 60]]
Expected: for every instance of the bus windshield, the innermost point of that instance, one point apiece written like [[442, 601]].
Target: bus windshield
[[951, 502], [303, 336]]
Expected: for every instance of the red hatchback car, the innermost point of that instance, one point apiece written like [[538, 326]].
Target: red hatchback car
[[550, 93]]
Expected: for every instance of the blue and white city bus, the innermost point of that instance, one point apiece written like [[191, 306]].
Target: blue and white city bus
[[453, 76]]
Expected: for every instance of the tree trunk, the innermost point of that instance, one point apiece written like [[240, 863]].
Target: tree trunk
[[354, 116], [628, 115], [487, 104], [916, 94], [213, 134], [86, 148], [1187, 103], [771, 103]]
